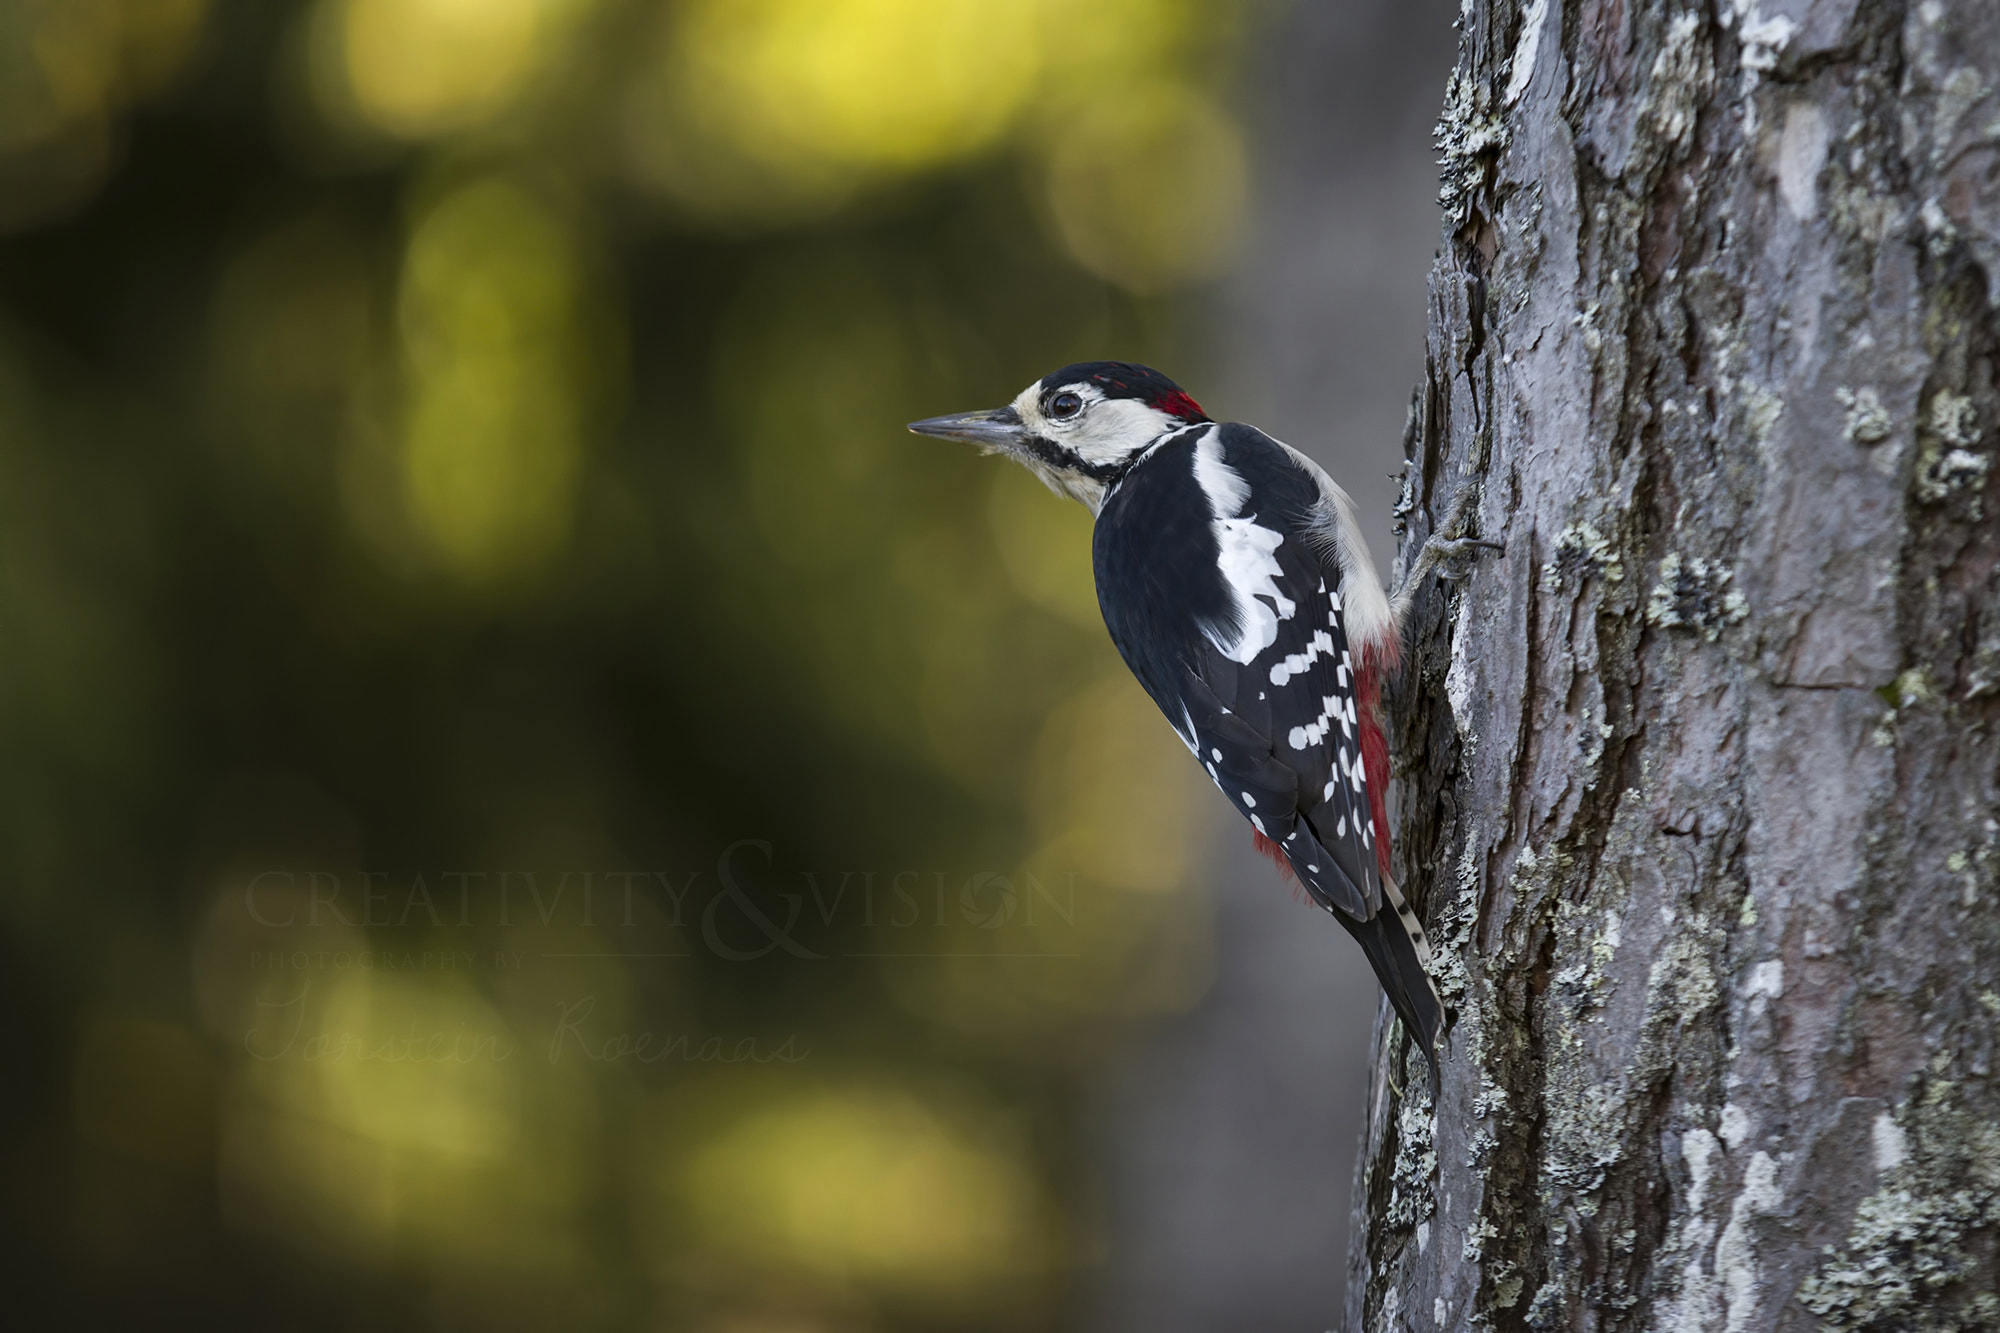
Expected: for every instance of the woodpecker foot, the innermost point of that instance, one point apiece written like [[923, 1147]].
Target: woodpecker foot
[[1451, 555], [1443, 555]]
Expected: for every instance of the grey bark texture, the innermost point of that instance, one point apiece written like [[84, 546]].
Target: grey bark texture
[[1699, 780]]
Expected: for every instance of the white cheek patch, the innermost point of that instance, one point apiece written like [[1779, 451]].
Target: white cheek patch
[[1114, 429], [1244, 556], [1028, 406], [1105, 432]]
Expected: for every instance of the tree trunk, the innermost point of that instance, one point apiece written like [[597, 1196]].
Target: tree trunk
[[1700, 778]]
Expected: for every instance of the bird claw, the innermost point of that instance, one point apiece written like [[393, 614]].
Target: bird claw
[[1450, 553], [1446, 557], [1453, 548]]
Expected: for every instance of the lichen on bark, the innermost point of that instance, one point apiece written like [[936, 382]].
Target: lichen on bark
[[1918, 1247], [1699, 779]]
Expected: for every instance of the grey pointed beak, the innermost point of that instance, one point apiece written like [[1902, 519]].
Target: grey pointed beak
[[995, 429]]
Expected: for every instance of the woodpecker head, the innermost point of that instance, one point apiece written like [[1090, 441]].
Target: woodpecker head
[[1080, 428]]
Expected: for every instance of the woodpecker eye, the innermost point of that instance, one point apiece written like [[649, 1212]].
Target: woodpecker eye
[[1064, 406]]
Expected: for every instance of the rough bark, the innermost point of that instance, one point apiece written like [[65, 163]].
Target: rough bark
[[1700, 779]]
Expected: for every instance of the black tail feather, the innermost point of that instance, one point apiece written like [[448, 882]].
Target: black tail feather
[[1398, 959]]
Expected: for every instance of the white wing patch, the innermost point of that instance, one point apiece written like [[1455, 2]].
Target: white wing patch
[[1244, 556], [1222, 484]]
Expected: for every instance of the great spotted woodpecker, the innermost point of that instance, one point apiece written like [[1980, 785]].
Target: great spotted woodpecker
[[1238, 588]]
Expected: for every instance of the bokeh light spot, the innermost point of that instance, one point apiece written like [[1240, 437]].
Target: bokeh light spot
[[897, 83], [868, 1184], [372, 1110], [1149, 191], [493, 333], [423, 68], [776, 107]]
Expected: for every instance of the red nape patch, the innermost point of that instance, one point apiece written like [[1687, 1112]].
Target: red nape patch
[[1178, 404]]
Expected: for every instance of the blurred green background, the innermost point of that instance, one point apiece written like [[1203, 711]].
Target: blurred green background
[[529, 801]]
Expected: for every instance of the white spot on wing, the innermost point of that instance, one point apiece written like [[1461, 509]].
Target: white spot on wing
[[1304, 737], [1296, 663]]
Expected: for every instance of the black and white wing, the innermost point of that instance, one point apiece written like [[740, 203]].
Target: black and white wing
[[1221, 584]]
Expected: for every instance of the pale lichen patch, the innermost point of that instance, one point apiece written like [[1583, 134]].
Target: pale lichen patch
[[1681, 75], [1735, 1126], [1910, 690], [1767, 979], [1581, 552], [1453, 927], [1693, 594], [1410, 1180], [1955, 418], [1736, 1266], [1762, 408], [1469, 133], [1891, 1145], [1940, 233], [1868, 422], [1951, 461], [1682, 982], [1952, 471], [1915, 1250]]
